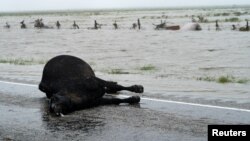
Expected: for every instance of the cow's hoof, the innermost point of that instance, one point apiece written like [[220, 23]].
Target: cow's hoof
[[134, 99], [138, 88]]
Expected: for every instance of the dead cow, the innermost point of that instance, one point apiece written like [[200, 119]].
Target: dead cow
[[71, 84]]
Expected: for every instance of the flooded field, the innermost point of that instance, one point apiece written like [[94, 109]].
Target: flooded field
[[205, 67], [177, 62]]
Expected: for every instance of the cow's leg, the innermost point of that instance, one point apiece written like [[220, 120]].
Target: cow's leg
[[116, 87], [113, 87], [117, 101]]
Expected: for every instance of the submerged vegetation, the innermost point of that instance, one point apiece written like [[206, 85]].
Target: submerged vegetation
[[117, 71], [240, 13], [148, 68], [224, 79], [221, 14], [22, 61], [204, 20], [242, 81], [207, 78], [231, 13], [233, 19], [138, 70]]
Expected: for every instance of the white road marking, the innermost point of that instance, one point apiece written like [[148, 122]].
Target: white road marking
[[20, 84], [152, 99]]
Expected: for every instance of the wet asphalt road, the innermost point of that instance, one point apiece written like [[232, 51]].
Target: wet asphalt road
[[24, 116]]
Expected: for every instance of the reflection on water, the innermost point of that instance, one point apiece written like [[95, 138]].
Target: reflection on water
[[71, 123], [81, 120]]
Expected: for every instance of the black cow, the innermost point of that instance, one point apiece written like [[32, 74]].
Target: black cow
[[71, 84]]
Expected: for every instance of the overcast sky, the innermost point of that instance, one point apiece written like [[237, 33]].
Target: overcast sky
[[27, 5]]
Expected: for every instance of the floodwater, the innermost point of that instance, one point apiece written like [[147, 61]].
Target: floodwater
[[178, 58], [179, 62]]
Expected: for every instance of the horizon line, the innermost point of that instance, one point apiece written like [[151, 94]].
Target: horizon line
[[128, 8]]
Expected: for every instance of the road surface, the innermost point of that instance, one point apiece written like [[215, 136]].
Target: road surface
[[24, 116]]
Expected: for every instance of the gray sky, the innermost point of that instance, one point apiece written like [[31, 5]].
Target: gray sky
[[27, 5]]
